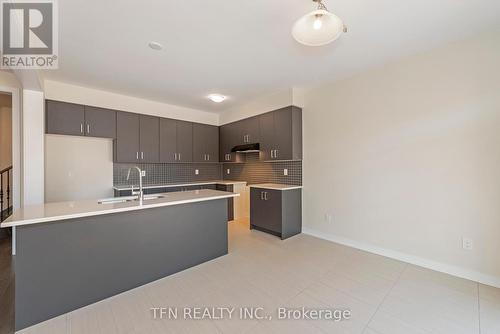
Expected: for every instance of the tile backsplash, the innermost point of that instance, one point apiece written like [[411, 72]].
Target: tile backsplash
[[254, 171], [166, 173]]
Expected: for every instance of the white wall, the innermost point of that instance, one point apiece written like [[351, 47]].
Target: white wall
[[78, 168], [406, 159], [33, 129], [77, 94], [258, 106]]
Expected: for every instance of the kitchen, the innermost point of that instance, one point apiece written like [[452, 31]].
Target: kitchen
[[313, 166], [164, 171]]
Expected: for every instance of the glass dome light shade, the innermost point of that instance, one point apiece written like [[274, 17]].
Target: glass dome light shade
[[317, 28]]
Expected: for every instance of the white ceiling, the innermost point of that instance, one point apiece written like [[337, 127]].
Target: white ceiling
[[243, 48]]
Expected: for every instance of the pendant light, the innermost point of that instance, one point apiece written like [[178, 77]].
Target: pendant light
[[319, 27]]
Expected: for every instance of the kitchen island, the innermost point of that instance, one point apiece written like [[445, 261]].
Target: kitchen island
[[72, 254]]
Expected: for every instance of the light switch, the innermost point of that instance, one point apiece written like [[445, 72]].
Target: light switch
[[143, 173], [285, 172], [228, 171], [196, 171]]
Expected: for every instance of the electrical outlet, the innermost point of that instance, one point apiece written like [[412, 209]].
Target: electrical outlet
[[285, 172], [228, 171], [328, 217], [196, 172], [143, 173], [467, 244]]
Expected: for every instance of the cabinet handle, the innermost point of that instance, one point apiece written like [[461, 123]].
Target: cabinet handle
[[137, 155], [265, 195], [272, 151], [142, 155], [262, 195], [179, 156], [276, 153], [81, 127], [208, 157], [88, 128]]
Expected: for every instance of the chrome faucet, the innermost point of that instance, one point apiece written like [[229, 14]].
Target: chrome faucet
[[141, 192]]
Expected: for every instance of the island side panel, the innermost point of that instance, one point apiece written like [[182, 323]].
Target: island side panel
[[65, 265]]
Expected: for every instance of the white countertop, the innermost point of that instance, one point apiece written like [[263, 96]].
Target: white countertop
[[275, 186], [171, 185], [51, 212]]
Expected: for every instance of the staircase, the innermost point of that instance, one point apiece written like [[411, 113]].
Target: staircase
[[5, 193]]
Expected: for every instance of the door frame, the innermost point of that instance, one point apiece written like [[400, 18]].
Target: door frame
[[16, 143]]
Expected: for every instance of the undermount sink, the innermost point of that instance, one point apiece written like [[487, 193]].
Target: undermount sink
[[116, 200]]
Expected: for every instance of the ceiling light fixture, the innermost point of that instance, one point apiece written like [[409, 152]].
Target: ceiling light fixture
[[319, 27], [217, 98], [155, 46]]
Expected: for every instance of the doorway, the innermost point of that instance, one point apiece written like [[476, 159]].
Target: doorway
[[6, 171]]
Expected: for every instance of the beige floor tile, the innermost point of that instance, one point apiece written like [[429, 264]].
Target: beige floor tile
[[489, 293], [489, 309], [361, 312], [51, 326], [384, 324], [385, 296], [434, 302]]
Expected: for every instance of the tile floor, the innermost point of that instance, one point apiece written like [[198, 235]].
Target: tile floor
[[384, 296]]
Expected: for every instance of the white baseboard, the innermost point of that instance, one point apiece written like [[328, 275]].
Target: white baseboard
[[418, 261]]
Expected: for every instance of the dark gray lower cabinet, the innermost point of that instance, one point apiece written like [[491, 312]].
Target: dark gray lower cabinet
[[276, 212]]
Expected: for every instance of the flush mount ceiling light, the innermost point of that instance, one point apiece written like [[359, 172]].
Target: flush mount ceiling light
[[155, 46], [319, 27], [217, 98]]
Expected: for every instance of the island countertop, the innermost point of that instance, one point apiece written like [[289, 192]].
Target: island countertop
[[50, 212]]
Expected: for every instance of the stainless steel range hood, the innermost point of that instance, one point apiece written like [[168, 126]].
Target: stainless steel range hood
[[247, 148]]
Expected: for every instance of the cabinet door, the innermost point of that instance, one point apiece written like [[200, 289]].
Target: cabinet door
[[149, 139], [212, 146], [283, 134], [168, 140], [184, 141], [267, 134], [100, 122], [201, 136], [127, 137], [265, 209], [224, 148], [229, 139], [64, 118], [250, 130]]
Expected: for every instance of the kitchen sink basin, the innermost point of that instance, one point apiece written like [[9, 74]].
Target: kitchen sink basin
[[116, 200]]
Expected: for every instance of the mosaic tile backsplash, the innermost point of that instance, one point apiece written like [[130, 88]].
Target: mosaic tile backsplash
[[254, 171], [166, 173]]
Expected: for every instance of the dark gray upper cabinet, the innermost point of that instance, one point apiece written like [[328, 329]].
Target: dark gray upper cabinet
[[229, 138], [137, 138], [205, 143], [149, 139], [184, 141], [64, 118], [100, 122], [168, 140], [176, 141], [281, 134], [127, 137], [249, 130]]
